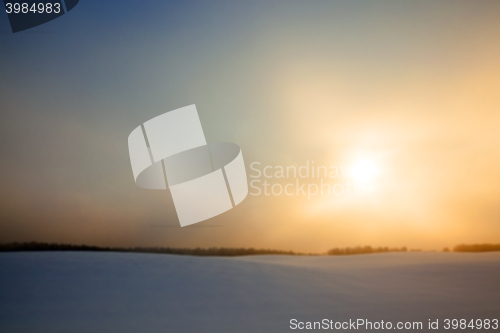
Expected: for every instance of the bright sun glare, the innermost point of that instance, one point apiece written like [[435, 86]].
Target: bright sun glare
[[363, 170]]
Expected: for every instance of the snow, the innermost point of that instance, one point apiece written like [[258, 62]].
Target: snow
[[129, 292]]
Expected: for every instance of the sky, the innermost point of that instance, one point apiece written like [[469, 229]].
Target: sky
[[405, 92]]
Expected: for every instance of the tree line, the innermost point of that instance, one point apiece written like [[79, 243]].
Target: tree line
[[364, 250], [477, 248], [213, 251], [225, 252]]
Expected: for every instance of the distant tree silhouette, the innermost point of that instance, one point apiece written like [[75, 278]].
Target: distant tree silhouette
[[214, 251], [364, 250], [225, 252], [477, 248]]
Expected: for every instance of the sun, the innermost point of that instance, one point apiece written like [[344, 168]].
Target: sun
[[363, 170]]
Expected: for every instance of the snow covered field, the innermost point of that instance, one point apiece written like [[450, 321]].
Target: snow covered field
[[127, 292]]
